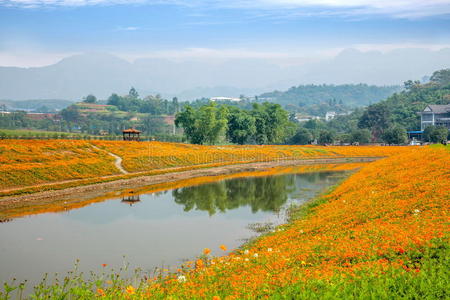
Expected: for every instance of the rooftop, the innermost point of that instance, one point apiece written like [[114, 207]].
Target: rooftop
[[438, 109], [131, 130]]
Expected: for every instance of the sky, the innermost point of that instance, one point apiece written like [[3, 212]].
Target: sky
[[41, 32]]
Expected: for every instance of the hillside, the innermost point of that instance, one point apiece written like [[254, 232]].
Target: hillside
[[318, 99]]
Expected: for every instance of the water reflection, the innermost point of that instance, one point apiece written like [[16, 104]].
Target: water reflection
[[131, 200], [260, 193]]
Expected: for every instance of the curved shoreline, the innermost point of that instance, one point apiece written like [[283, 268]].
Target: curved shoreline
[[84, 192]]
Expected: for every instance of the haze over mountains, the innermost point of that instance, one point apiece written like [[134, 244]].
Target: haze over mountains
[[103, 74]]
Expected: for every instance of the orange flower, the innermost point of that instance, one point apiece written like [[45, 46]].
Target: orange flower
[[104, 265], [223, 247], [216, 298], [130, 290], [101, 292], [206, 251], [199, 263]]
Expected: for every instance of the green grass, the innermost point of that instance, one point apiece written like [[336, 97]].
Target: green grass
[[431, 282]]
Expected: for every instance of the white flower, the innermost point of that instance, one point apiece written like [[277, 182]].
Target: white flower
[[301, 231], [416, 211], [269, 249], [246, 259], [246, 252], [181, 278], [255, 255]]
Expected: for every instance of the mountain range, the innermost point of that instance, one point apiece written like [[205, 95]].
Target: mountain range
[[102, 74]]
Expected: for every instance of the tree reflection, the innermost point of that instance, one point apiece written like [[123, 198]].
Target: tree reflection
[[260, 193]]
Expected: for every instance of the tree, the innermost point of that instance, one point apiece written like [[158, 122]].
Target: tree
[[302, 137], [133, 93], [435, 134], [70, 114], [114, 99], [326, 137], [271, 121], [204, 125], [90, 99], [241, 126], [361, 136], [441, 77], [395, 135], [377, 117]]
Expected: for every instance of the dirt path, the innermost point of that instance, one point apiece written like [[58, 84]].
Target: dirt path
[[117, 163], [81, 193]]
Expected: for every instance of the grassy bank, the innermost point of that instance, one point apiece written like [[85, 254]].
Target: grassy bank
[[383, 233], [25, 163]]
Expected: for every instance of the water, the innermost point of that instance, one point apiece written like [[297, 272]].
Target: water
[[152, 230]]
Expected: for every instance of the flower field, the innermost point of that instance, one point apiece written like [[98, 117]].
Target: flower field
[[382, 234], [139, 156], [36, 162]]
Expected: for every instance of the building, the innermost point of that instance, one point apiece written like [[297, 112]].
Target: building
[[436, 115], [225, 99], [330, 115]]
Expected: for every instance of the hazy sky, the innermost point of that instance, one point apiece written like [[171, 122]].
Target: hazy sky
[[40, 32]]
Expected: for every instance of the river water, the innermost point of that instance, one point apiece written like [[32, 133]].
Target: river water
[[152, 230]]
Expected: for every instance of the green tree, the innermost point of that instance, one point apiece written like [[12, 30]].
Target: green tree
[[90, 99], [377, 117], [114, 99], [302, 137], [441, 77], [395, 135], [204, 125], [361, 136], [241, 126], [133, 93], [326, 137], [272, 122], [435, 134]]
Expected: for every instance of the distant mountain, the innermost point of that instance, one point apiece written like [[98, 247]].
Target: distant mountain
[[37, 104], [102, 74]]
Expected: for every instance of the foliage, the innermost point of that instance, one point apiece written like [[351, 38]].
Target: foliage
[[377, 118], [435, 134], [326, 137], [90, 99], [204, 125], [302, 137], [395, 135], [361, 136], [318, 99], [441, 77], [272, 123], [265, 123], [241, 126]]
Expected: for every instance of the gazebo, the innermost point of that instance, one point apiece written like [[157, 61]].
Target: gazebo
[[131, 134]]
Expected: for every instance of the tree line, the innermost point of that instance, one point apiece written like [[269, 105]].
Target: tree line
[[266, 123]]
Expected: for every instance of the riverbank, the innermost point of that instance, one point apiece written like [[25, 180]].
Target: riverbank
[[78, 196], [383, 233], [28, 166]]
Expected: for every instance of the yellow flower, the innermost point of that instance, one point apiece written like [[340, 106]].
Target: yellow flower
[[223, 247], [130, 290], [206, 251]]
